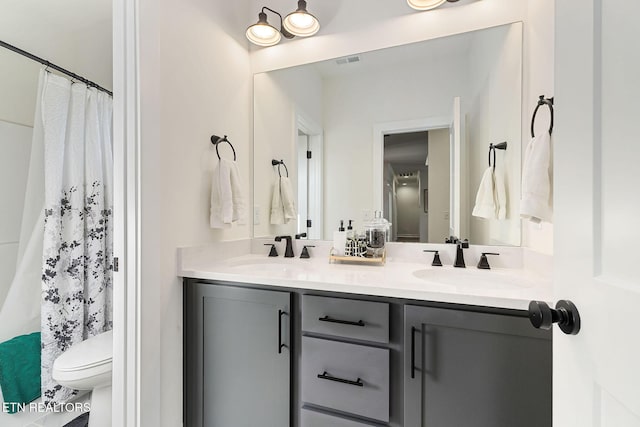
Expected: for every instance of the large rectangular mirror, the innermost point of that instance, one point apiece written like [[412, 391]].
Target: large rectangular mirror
[[405, 130]]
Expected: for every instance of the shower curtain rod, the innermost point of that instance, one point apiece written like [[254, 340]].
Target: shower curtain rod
[[54, 66]]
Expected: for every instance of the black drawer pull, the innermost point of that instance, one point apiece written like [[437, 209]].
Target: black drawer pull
[[342, 322], [413, 351], [326, 376], [280, 343]]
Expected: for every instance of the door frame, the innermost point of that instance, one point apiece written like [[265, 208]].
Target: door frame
[[403, 126], [126, 383]]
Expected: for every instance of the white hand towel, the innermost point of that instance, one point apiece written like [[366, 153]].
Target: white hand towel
[[288, 201], [536, 180], [500, 194], [283, 207], [237, 196], [486, 206], [227, 200], [277, 209]]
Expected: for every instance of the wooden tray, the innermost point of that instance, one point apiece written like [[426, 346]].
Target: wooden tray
[[358, 259]]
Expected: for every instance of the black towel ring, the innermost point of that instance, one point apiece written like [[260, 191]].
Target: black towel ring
[[543, 101], [493, 148], [215, 140], [275, 162]]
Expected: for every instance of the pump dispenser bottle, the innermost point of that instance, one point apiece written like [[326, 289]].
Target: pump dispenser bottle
[[350, 233], [339, 240]]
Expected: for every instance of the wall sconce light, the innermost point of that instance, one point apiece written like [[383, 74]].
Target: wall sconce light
[[298, 23], [427, 4], [264, 34]]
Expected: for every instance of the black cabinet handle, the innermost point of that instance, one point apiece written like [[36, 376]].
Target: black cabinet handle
[[342, 322], [326, 376], [280, 344], [413, 351], [565, 315]]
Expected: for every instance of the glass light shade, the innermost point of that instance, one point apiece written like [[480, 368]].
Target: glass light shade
[[425, 4], [300, 22], [263, 34]]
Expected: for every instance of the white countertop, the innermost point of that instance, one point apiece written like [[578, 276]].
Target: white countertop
[[499, 287]]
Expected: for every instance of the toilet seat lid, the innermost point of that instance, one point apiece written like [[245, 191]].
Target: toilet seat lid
[[92, 352]]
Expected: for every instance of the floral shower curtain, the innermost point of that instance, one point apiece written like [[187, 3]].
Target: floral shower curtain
[[77, 250]]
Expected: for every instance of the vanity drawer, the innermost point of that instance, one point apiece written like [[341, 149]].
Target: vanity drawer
[[347, 377], [311, 418], [362, 320]]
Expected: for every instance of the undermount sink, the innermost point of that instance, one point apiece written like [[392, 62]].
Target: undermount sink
[[498, 279], [262, 265]]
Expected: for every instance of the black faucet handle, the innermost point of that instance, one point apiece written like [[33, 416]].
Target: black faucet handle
[[464, 244], [273, 252], [305, 251], [451, 239], [436, 258], [483, 264], [298, 236]]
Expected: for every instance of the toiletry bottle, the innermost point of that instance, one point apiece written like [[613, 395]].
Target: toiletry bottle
[[350, 247], [339, 240]]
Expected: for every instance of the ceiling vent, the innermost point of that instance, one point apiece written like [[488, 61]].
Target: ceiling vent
[[348, 60]]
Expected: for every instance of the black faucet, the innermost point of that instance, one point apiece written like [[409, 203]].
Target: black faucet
[[460, 245], [288, 252]]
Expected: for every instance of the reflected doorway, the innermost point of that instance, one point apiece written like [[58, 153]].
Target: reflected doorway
[[416, 181]]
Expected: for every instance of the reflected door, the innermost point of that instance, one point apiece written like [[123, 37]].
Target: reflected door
[[303, 183], [455, 158]]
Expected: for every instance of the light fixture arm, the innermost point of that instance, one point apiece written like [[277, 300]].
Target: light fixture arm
[[283, 30]]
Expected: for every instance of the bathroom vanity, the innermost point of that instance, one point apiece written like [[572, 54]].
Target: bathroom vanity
[[276, 342]]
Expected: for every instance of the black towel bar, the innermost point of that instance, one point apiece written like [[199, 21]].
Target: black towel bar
[[549, 103], [275, 162], [216, 140], [493, 148]]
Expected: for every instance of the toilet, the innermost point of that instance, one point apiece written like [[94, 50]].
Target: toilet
[[87, 366]]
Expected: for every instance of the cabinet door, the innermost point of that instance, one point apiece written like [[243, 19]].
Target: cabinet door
[[238, 357], [475, 369]]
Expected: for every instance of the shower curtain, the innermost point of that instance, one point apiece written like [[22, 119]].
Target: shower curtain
[[77, 248]]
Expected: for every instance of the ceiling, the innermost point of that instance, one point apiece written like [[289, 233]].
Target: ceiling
[[406, 148]]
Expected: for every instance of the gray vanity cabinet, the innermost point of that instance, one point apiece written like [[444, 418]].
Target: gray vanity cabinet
[[464, 368], [237, 360]]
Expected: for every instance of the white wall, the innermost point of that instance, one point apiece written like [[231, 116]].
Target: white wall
[[439, 192], [15, 146], [18, 86], [408, 206], [195, 82]]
